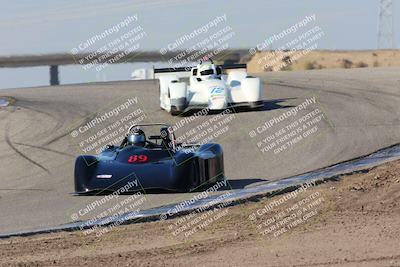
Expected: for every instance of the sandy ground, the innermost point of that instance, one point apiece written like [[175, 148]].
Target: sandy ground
[[354, 221], [267, 61]]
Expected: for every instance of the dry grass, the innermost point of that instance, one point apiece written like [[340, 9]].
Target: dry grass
[[325, 60]]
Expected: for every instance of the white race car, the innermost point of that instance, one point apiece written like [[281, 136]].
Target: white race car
[[208, 88]]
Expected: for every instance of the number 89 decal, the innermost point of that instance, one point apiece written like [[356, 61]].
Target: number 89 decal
[[138, 159]]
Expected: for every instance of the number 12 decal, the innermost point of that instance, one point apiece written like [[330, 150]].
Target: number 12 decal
[[138, 158]]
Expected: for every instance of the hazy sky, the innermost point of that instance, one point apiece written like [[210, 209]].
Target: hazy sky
[[48, 26], [51, 26]]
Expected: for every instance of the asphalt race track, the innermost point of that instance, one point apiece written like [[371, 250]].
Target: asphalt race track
[[360, 108]]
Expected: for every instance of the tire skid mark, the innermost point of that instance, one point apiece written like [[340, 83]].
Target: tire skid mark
[[24, 189], [45, 148], [10, 144], [58, 137], [30, 106], [55, 139], [305, 87], [23, 104], [50, 115]]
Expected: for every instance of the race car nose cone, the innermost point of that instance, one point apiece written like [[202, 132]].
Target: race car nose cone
[[217, 98], [217, 102]]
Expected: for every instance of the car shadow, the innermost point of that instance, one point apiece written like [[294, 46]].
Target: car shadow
[[267, 106], [230, 185], [233, 184], [242, 183]]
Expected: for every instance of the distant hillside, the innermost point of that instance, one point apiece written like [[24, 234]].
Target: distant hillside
[[306, 60]]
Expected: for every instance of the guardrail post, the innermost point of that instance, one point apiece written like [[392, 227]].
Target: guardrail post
[[54, 75]]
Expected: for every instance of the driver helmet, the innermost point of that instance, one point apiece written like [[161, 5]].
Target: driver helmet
[[207, 70], [137, 138]]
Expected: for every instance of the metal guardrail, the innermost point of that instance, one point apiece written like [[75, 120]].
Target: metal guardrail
[[233, 55], [55, 60]]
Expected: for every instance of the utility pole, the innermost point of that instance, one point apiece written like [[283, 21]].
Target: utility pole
[[385, 25]]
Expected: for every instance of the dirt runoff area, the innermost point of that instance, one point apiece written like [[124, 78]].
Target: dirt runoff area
[[354, 221]]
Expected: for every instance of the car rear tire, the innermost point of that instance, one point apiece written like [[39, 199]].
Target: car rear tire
[[194, 179], [257, 109], [174, 111]]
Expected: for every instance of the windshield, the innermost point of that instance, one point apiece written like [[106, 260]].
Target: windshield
[[136, 139], [207, 72]]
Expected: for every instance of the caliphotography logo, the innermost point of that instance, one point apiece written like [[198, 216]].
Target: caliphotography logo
[[199, 133]]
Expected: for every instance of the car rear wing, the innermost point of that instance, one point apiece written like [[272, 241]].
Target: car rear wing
[[183, 72]]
